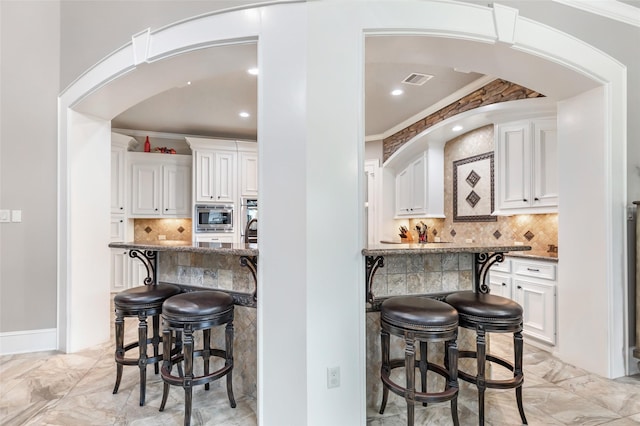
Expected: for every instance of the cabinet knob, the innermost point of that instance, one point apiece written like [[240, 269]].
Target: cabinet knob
[[121, 208], [504, 284], [166, 210], [121, 220], [519, 287], [156, 209], [525, 200], [536, 199]]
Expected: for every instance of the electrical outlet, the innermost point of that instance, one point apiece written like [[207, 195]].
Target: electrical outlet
[[16, 215], [333, 377], [5, 216]]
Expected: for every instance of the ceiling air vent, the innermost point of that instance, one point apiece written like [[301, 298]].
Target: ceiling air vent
[[417, 79]]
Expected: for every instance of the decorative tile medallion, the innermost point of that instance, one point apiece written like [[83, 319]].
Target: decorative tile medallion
[[473, 178], [434, 231], [529, 235], [181, 230], [453, 232], [497, 234], [148, 229], [472, 198]]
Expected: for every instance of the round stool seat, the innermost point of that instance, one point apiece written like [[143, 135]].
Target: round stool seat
[[197, 306], [145, 295], [487, 308], [419, 314]]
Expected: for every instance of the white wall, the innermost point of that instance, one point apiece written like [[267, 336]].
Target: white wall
[[582, 317], [29, 72]]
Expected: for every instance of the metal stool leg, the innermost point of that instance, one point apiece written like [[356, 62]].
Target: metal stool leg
[[424, 356], [229, 361]]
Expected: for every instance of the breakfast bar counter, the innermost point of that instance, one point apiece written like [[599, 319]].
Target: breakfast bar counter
[[434, 269]]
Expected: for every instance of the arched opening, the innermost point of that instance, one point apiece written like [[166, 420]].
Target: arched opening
[[304, 127]]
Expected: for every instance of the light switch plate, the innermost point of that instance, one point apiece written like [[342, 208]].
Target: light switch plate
[[16, 215], [4, 216]]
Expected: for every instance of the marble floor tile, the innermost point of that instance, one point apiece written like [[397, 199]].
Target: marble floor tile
[[50, 388]]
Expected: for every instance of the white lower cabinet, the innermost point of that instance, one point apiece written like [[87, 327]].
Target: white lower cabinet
[[119, 270], [532, 284]]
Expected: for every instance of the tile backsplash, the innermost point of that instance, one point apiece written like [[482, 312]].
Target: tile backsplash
[[540, 231], [149, 230]]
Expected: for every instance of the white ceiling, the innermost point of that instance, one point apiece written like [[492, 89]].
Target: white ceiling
[[210, 106]]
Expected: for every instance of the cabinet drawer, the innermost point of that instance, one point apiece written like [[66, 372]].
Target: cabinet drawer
[[543, 270], [504, 266]]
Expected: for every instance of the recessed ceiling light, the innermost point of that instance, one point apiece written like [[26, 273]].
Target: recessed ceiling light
[[457, 128], [253, 71], [397, 92], [244, 114], [188, 83]]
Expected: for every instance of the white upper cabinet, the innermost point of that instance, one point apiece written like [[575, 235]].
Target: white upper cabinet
[[420, 186], [248, 164], [527, 175], [411, 185], [119, 145], [215, 174], [160, 185]]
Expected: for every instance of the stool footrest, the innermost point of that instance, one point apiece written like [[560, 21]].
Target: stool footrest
[[428, 397], [515, 382]]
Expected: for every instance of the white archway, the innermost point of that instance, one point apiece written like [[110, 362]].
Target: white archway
[[310, 109]]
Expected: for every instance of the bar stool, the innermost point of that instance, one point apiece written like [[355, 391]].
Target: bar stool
[[143, 301], [424, 320], [487, 313], [186, 313]]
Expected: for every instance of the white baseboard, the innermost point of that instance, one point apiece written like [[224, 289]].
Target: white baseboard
[[19, 342]]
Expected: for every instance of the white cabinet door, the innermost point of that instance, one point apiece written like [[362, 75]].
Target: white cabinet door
[[545, 163], [248, 174], [411, 189], [117, 228], [215, 176], [204, 176], [527, 167], [500, 284], [537, 299], [403, 194], [119, 270], [419, 186], [176, 190], [513, 150], [118, 180], [225, 176], [145, 188]]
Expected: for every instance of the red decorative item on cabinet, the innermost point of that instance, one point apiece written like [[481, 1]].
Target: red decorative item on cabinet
[[147, 145]]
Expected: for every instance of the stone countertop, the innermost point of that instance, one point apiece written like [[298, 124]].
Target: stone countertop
[[385, 249], [536, 255], [230, 249]]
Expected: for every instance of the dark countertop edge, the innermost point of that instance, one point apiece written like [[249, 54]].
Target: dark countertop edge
[[234, 250], [413, 248]]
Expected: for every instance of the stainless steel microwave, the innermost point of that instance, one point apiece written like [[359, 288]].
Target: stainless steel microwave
[[214, 218]]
